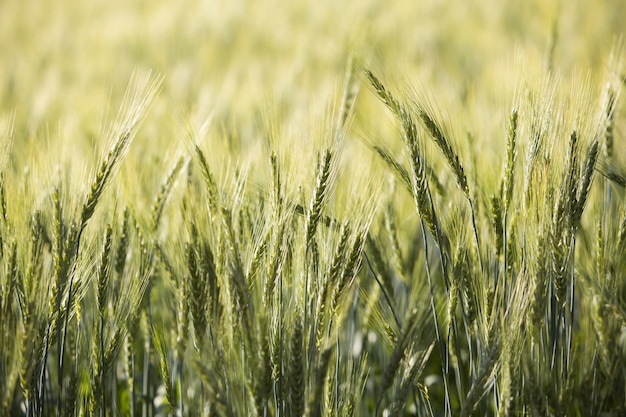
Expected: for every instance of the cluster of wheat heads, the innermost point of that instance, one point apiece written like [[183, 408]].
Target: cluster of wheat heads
[[306, 292], [519, 278]]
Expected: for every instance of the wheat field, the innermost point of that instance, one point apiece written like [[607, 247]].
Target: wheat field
[[238, 208]]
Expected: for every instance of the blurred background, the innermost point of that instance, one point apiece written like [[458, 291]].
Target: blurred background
[[64, 63], [64, 59]]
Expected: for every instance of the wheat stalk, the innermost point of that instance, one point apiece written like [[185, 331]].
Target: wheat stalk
[[320, 195], [585, 183], [199, 294], [313, 408], [296, 370], [444, 145], [164, 191]]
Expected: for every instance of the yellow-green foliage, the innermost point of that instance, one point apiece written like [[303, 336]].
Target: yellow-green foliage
[[267, 208]]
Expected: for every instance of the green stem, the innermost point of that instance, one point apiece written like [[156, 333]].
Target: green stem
[[442, 349]]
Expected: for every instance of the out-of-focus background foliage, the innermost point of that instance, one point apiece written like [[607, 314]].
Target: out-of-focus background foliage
[[63, 59], [63, 62]]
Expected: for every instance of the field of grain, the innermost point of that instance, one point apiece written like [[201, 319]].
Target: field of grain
[[238, 208]]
